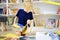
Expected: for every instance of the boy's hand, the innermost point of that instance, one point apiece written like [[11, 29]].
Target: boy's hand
[[15, 25], [28, 21]]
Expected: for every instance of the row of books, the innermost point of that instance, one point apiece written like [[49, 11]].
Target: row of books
[[10, 11], [11, 1], [3, 10], [15, 1], [2, 1], [47, 23]]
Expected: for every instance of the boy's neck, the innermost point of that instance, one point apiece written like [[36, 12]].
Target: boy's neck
[[27, 10]]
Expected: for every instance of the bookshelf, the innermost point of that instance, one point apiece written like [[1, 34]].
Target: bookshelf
[[46, 8], [12, 6]]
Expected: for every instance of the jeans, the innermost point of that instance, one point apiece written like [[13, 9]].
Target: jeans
[[20, 25]]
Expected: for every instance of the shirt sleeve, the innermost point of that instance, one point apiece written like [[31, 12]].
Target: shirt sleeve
[[31, 17], [18, 13]]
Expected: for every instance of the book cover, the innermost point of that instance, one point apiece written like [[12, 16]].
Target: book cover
[[1, 10], [52, 23]]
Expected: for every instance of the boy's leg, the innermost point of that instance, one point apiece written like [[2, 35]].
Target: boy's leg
[[19, 30], [4, 26]]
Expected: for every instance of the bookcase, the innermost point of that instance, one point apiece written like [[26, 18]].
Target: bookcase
[[41, 7]]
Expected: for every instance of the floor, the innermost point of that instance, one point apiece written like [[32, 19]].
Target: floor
[[12, 30], [9, 30]]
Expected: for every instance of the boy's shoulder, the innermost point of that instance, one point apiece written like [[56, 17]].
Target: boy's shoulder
[[21, 9]]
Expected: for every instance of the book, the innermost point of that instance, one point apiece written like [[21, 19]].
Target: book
[[4, 10], [12, 1], [1, 10], [13, 11], [58, 11], [21, 1], [52, 23]]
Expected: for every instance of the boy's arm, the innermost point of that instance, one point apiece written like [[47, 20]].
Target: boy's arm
[[14, 24], [15, 19]]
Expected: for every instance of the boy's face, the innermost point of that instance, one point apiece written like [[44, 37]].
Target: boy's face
[[27, 6]]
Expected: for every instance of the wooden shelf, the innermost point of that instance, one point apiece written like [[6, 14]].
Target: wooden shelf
[[49, 14], [3, 14], [2, 3], [56, 16]]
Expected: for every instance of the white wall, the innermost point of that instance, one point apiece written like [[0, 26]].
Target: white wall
[[46, 8]]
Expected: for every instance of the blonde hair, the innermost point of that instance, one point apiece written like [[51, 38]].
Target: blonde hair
[[27, 0], [28, 5]]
